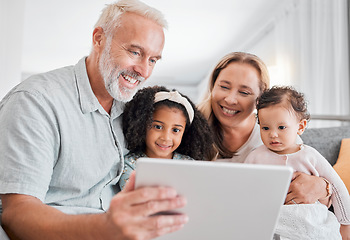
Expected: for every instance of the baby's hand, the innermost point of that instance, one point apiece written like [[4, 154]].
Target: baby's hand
[[345, 232]]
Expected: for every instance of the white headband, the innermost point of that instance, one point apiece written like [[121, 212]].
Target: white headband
[[174, 96]]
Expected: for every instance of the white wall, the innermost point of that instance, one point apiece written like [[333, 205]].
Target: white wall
[[11, 35]]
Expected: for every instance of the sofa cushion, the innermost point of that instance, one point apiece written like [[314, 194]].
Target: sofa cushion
[[342, 166], [326, 140]]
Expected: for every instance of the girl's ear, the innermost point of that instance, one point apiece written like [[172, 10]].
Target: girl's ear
[[302, 126]]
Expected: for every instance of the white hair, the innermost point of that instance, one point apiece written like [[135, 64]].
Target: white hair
[[109, 18]]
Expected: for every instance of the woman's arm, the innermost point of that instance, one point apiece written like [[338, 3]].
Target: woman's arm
[[306, 189]]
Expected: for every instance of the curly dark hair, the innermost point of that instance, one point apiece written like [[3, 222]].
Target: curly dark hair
[[284, 94], [197, 141]]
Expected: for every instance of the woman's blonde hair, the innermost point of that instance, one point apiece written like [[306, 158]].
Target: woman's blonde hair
[[109, 19], [205, 105]]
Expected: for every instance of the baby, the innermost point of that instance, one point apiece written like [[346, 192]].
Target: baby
[[282, 116]]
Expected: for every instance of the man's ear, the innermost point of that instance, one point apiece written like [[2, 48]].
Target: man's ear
[[302, 126], [98, 39]]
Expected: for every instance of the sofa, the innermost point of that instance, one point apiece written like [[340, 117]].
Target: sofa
[[334, 144], [326, 140]]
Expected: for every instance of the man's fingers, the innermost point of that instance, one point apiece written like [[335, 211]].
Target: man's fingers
[[146, 194], [147, 219], [153, 207], [169, 224], [147, 212], [156, 226], [165, 221], [164, 224], [148, 201]]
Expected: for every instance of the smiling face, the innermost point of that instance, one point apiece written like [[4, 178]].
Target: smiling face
[[129, 57], [279, 128], [234, 94], [165, 134]]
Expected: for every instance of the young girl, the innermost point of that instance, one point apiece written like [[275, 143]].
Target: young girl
[[282, 115], [159, 123]]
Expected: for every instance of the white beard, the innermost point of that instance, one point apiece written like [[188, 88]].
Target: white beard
[[111, 73]]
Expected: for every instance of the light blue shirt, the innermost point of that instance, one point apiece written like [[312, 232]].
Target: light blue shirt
[[58, 143]]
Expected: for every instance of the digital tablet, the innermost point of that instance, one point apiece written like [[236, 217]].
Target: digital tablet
[[224, 200]]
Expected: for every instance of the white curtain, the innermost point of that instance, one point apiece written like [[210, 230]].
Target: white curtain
[[312, 54]]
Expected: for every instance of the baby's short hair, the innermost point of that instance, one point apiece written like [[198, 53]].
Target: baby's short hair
[[285, 95]]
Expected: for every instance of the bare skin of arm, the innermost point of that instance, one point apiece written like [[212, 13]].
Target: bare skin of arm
[[306, 189], [345, 232], [129, 217]]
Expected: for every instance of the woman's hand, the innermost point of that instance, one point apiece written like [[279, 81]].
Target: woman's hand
[[306, 189]]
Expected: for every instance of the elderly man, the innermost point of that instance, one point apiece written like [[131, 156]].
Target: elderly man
[[61, 145]]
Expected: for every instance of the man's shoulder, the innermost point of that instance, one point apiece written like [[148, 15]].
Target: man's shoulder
[[48, 81], [47, 85], [44, 89]]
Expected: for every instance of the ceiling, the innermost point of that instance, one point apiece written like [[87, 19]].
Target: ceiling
[[58, 33]]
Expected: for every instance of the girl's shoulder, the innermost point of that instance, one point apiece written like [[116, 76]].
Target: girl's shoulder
[[134, 156], [181, 156]]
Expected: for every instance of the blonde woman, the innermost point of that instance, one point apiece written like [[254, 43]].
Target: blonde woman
[[229, 105]]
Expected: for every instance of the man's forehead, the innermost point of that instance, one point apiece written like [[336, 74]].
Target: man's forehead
[[140, 32]]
